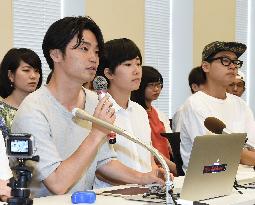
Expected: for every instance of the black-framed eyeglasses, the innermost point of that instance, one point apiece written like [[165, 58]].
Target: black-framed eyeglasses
[[227, 61], [158, 85]]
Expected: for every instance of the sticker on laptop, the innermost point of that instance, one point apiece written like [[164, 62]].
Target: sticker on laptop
[[215, 168]]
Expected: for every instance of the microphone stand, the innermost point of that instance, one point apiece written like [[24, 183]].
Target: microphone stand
[[169, 184]]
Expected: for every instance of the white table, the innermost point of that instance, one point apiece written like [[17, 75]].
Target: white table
[[245, 174], [66, 200]]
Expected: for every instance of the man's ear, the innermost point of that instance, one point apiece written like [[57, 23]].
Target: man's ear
[[205, 66], [108, 73], [56, 55]]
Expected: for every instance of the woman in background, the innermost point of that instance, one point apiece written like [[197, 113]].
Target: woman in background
[[20, 74], [149, 90]]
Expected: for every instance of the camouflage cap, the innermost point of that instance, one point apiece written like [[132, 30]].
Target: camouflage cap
[[217, 46]]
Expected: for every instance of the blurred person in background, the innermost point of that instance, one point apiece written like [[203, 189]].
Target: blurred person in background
[[196, 80], [5, 171], [20, 75], [238, 86], [149, 91]]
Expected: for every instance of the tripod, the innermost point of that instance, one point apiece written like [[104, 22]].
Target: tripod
[[19, 183]]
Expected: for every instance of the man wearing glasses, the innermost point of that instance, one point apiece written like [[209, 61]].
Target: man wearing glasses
[[220, 64]]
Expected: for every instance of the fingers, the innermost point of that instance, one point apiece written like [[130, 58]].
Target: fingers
[[5, 191], [159, 175], [171, 176], [159, 172], [158, 181], [152, 178], [104, 107], [105, 112], [110, 112], [4, 197]]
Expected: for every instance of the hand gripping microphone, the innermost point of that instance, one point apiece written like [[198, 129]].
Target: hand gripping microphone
[[81, 114], [100, 86]]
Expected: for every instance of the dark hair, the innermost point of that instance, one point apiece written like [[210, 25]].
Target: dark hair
[[11, 61], [61, 32], [196, 76], [149, 75], [116, 52], [49, 77], [208, 59]]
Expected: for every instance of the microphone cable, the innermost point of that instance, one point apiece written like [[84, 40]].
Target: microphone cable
[[239, 186]]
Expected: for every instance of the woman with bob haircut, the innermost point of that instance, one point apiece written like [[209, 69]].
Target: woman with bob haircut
[[149, 90], [20, 74], [121, 66]]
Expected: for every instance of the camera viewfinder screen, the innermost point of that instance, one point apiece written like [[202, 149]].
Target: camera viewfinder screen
[[19, 146]]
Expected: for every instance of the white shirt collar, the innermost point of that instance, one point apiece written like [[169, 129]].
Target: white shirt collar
[[116, 105]]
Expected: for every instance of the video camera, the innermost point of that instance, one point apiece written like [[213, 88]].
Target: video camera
[[20, 146]]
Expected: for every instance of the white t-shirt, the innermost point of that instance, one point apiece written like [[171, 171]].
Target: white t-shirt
[[233, 111], [5, 171], [135, 121], [176, 120]]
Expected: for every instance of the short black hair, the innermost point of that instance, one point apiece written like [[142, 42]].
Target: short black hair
[[49, 77], [197, 76], [149, 75], [11, 61], [117, 51], [61, 32]]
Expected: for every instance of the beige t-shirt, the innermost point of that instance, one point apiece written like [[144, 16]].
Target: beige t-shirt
[[57, 135]]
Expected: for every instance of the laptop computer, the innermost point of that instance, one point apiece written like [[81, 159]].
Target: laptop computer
[[212, 166]]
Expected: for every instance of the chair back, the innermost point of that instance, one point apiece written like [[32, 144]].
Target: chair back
[[174, 140]]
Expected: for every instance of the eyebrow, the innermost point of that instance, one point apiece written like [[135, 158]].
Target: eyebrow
[[83, 42], [27, 66]]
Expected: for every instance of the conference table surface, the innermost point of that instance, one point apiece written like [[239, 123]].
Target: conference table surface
[[244, 174]]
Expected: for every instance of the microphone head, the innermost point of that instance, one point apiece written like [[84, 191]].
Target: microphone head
[[100, 83], [214, 125]]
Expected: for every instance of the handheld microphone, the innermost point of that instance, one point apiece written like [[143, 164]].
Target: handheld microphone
[[216, 126], [79, 113], [100, 86]]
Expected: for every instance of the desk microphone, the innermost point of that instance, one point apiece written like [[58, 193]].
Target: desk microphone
[[100, 86], [81, 114], [216, 126]]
